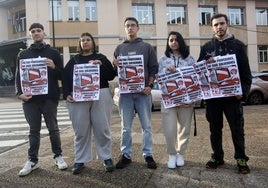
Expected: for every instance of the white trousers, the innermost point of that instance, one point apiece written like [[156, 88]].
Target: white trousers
[[88, 117], [176, 124]]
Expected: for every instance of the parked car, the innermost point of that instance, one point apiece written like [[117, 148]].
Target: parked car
[[259, 89], [156, 96]]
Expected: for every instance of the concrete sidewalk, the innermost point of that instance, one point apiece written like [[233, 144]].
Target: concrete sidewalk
[[193, 174]]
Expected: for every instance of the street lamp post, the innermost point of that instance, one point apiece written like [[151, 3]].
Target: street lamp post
[[53, 24]]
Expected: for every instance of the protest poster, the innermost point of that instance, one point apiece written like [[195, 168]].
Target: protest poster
[[131, 74], [173, 89], [201, 81], [86, 82], [33, 76], [224, 78], [190, 79], [202, 74]]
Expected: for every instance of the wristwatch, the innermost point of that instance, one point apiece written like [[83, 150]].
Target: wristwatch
[[151, 85]]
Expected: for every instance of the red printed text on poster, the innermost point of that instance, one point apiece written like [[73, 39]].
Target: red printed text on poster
[[33, 76], [86, 82], [131, 74]]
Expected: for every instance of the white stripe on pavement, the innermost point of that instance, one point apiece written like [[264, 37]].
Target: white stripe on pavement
[[11, 143]]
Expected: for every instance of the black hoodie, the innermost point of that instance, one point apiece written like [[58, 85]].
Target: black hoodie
[[44, 51], [230, 45]]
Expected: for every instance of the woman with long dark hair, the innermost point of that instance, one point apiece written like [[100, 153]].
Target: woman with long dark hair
[[176, 121], [90, 116]]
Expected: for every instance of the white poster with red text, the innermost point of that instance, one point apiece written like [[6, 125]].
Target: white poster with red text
[[86, 82], [33, 76], [131, 74]]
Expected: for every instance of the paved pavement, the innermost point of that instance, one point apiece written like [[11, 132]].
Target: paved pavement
[[193, 174], [14, 129]]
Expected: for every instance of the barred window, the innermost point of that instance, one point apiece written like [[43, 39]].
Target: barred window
[[176, 15], [143, 13]]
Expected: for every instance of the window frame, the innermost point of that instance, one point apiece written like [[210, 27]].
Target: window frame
[[203, 12], [261, 18], [57, 9], [179, 17], [140, 14], [91, 10], [263, 54], [73, 10], [236, 18]]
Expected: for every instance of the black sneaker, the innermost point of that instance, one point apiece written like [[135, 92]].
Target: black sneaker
[[213, 163], [109, 165], [150, 162], [242, 166], [77, 169], [123, 162]]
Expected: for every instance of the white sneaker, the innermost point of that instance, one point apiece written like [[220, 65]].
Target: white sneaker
[[172, 161], [62, 165], [28, 168], [180, 161]]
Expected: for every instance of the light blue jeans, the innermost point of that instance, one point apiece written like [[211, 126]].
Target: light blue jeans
[[129, 104]]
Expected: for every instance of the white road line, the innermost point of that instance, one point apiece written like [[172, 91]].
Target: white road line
[[11, 143]]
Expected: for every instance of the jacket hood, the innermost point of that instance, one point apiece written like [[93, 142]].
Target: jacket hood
[[229, 37], [136, 40], [39, 46]]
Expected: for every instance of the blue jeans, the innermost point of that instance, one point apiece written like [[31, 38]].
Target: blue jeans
[[129, 104], [33, 111]]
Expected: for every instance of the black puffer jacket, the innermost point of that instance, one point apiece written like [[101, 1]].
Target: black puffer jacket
[[44, 51], [230, 45]]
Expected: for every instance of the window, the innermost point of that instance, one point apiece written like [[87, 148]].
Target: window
[[72, 51], [91, 10], [262, 16], [176, 15], [143, 13], [205, 14], [19, 21], [56, 10], [73, 10], [263, 54], [236, 16]]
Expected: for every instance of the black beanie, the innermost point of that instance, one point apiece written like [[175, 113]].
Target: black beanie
[[36, 25]]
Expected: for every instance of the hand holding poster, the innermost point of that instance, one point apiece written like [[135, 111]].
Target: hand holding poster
[[33, 76], [131, 74], [86, 82]]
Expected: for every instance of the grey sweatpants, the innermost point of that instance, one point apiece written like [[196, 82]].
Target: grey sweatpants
[[92, 116]]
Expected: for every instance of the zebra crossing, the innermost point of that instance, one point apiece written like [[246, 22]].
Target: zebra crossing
[[14, 129]]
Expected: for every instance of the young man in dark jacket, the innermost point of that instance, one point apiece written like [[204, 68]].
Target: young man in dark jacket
[[34, 106], [222, 44]]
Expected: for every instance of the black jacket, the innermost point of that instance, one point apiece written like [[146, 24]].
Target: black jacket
[[230, 45], [107, 72], [44, 51]]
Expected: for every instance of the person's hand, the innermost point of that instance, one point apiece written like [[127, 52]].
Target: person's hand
[[25, 97], [69, 98], [238, 97], [95, 62], [210, 60], [147, 90], [115, 62], [50, 63], [171, 68]]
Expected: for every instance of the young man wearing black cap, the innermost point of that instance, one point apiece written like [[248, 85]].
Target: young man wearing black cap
[[34, 106]]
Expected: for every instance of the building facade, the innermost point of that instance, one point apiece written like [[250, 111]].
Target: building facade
[[65, 20]]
